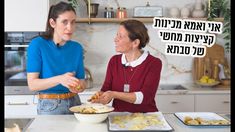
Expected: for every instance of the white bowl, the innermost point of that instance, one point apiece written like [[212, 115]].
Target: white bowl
[[91, 118], [91, 113]]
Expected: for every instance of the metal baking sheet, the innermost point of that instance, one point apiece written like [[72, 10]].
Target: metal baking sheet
[[207, 116], [128, 124]]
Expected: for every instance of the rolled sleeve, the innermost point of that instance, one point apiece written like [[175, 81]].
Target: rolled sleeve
[[139, 97]]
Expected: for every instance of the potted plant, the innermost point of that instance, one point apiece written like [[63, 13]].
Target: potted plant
[[74, 3], [220, 8]]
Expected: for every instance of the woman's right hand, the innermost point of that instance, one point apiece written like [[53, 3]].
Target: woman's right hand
[[68, 80]]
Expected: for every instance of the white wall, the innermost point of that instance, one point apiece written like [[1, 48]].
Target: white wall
[[98, 41]]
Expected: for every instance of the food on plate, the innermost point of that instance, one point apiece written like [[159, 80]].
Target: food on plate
[[88, 110], [187, 118], [211, 80], [207, 79], [85, 110], [224, 122], [192, 122], [136, 121], [200, 121], [94, 97], [91, 108]]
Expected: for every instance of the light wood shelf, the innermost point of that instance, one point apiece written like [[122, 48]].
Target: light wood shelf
[[118, 20]]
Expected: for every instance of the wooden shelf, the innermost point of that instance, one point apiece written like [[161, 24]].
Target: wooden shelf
[[110, 20], [118, 20]]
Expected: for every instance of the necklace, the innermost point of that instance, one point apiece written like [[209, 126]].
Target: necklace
[[126, 86]]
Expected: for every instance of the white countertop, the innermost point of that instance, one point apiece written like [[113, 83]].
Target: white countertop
[[68, 123], [190, 89]]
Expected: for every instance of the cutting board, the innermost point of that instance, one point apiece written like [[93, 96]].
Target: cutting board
[[203, 66]]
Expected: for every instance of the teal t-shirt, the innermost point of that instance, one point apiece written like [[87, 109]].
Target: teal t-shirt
[[44, 57]]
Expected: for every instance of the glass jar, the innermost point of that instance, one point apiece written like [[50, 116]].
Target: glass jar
[[109, 13], [121, 12]]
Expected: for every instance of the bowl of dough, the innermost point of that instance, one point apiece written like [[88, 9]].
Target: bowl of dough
[[91, 113]]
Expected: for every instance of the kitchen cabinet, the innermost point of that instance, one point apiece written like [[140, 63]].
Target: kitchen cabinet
[[194, 101], [20, 105], [218, 103], [175, 103], [25, 15]]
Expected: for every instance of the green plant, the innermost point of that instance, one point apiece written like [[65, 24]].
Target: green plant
[[227, 29], [74, 3], [220, 8]]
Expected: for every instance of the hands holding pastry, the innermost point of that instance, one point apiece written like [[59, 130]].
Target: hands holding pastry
[[72, 83], [95, 97], [101, 97]]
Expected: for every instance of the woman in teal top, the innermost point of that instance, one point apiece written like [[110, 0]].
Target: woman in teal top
[[55, 63]]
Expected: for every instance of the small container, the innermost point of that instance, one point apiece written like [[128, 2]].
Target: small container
[[109, 13], [121, 12]]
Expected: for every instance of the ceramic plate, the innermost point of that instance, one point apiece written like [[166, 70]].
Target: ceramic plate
[[202, 119]]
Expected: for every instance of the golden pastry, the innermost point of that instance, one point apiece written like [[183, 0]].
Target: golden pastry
[[193, 122], [94, 97], [187, 118]]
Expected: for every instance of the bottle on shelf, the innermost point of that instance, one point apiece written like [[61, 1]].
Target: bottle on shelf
[[108, 13], [121, 12]]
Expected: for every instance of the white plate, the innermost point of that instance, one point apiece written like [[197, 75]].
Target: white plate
[[128, 125], [208, 116]]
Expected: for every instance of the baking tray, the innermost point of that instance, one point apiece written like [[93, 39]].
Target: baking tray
[[207, 116], [165, 127]]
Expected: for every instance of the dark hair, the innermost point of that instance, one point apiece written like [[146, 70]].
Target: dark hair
[[136, 30], [54, 12]]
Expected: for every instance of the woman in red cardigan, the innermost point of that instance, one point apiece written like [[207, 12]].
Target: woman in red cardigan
[[132, 77]]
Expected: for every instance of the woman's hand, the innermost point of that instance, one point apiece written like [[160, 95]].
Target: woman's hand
[[95, 97], [72, 83], [82, 86], [104, 98]]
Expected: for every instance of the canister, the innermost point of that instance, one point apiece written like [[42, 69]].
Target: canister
[[121, 12], [109, 13]]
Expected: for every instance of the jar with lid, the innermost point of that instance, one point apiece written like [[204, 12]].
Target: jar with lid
[[108, 13], [121, 12]]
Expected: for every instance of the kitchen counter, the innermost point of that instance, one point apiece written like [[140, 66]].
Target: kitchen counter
[[63, 123], [18, 90], [190, 88]]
